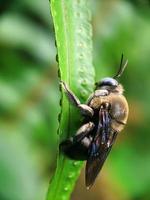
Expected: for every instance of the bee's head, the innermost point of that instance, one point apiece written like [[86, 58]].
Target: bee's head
[[111, 84], [108, 82]]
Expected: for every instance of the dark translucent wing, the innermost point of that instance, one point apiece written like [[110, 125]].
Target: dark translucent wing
[[94, 165], [76, 150], [100, 146]]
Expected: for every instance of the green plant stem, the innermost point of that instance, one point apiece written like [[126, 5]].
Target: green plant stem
[[74, 44]]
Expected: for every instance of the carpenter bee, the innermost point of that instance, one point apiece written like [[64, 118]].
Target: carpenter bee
[[105, 113]]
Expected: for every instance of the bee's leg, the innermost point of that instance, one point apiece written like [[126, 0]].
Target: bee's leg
[[85, 109], [83, 131], [77, 147]]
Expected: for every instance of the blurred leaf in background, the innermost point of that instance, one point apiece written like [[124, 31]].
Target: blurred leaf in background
[[29, 98]]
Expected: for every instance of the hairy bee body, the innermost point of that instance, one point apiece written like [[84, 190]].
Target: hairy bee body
[[118, 107]]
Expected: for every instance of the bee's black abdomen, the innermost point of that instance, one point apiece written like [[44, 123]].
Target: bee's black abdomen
[[74, 150]]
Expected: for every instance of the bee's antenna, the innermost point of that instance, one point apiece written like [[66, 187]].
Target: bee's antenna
[[121, 68]]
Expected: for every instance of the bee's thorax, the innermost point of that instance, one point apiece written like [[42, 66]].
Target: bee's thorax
[[119, 89], [111, 89]]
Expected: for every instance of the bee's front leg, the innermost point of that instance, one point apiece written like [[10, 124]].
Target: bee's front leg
[[85, 109]]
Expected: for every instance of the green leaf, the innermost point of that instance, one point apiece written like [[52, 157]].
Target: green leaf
[[19, 179], [74, 44]]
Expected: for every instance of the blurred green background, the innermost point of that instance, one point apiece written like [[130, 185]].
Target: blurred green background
[[29, 99]]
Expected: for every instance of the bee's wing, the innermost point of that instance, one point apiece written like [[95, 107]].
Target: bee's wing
[[94, 164], [99, 148]]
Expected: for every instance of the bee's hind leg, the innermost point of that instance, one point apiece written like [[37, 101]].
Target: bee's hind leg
[[85, 109], [83, 131], [77, 146]]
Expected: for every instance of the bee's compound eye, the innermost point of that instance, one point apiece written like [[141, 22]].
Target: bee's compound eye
[[108, 82]]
